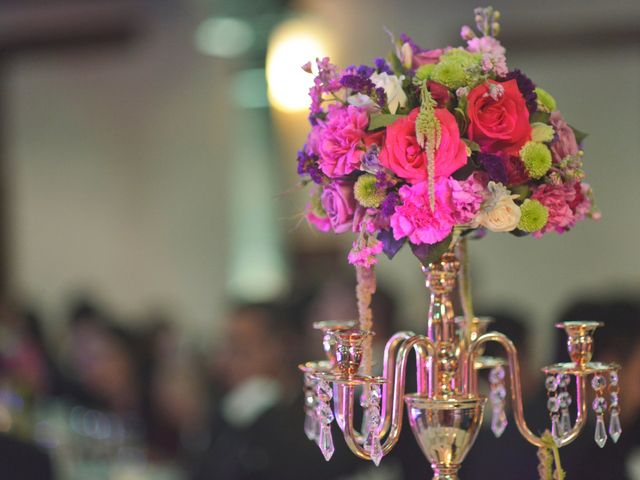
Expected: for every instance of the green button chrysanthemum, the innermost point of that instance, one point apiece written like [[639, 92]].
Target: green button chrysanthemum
[[424, 72], [533, 216], [536, 157], [367, 192], [546, 103], [454, 68]]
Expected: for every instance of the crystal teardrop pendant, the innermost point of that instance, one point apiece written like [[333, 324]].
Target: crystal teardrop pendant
[[565, 422], [556, 429], [376, 449], [498, 421], [310, 425], [615, 430], [601, 432], [326, 442]]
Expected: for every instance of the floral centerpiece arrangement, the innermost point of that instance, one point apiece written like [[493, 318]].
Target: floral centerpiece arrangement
[[430, 144]]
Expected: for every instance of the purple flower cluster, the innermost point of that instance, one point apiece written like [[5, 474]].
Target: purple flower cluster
[[494, 166], [307, 165], [382, 66], [526, 87], [404, 38]]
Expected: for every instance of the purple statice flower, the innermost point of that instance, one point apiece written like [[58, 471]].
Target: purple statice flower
[[307, 165], [357, 83], [382, 66], [388, 205], [365, 71], [381, 96], [404, 38], [526, 87], [494, 166]]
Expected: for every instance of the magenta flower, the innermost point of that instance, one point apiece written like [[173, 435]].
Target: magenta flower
[[339, 203], [413, 217], [365, 255], [321, 223], [341, 144], [467, 196], [566, 143], [558, 200]]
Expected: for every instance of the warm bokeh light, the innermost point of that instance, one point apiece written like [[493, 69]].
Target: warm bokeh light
[[292, 44]]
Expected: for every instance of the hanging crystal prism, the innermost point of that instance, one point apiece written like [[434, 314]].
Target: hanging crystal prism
[[599, 405], [553, 406], [497, 397], [311, 424], [326, 442], [372, 443], [324, 415], [564, 401], [601, 432], [615, 429]]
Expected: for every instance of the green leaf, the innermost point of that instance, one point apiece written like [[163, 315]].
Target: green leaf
[[430, 253], [461, 118], [473, 146], [394, 61], [580, 136], [539, 116], [380, 120]]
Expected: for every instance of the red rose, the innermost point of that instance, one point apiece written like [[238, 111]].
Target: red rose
[[439, 93], [498, 122], [403, 155]]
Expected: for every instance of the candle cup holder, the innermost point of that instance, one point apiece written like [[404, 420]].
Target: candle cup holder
[[348, 350], [329, 341], [580, 340]]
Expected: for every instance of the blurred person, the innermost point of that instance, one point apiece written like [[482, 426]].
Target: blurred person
[[257, 431], [617, 341], [510, 455]]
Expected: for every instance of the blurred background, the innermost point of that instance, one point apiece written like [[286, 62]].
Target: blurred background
[[156, 273]]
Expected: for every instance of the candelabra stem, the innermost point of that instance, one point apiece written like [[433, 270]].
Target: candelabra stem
[[445, 473]]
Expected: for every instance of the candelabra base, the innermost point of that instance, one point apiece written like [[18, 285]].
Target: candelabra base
[[445, 473]]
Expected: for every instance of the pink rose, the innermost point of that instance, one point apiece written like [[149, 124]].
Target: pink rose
[[341, 141], [427, 57], [338, 201], [566, 143], [498, 123], [403, 155], [414, 218]]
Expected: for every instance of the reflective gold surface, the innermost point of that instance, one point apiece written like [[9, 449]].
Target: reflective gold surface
[[445, 430]]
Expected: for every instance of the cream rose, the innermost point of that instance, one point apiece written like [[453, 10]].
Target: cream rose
[[503, 217], [499, 213], [392, 86]]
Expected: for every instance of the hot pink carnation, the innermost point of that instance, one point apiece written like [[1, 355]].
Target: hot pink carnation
[[407, 159], [414, 218], [338, 201], [567, 204], [341, 144], [566, 143], [467, 196]]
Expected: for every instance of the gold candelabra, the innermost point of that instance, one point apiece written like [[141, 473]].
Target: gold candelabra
[[446, 411]]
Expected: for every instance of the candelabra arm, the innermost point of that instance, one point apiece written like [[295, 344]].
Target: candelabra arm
[[516, 390], [424, 347]]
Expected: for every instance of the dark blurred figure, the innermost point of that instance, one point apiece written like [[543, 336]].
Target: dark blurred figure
[[257, 433], [24, 380], [510, 456], [618, 341]]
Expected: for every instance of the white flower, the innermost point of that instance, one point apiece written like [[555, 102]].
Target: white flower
[[499, 213], [392, 86], [363, 101]]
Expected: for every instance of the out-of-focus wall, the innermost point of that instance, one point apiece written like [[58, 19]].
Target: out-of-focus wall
[[117, 167]]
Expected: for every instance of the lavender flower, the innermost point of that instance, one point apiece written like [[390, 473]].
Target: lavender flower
[[388, 205], [404, 38]]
